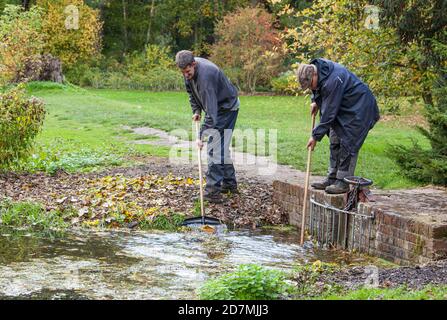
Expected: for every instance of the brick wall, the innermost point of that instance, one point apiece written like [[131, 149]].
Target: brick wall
[[394, 237]]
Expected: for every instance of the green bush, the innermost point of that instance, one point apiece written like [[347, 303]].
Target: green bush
[[152, 57], [152, 69], [157, 79], [285, 84], [21, 119], [248, 282], [85, 75], [427, 165]]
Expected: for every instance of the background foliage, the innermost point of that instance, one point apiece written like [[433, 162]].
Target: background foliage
[[22, 40], [20, 121], [249, 47], [70, 45]]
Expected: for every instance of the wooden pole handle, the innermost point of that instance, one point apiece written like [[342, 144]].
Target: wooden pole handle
[[199, 155], [306, 186]]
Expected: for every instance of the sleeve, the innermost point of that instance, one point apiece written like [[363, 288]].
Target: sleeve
[[330, 107], [209, 99], [194, 105], [207, 124]]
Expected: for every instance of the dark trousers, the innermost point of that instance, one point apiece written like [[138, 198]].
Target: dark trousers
[[221, 171], [342, 163]]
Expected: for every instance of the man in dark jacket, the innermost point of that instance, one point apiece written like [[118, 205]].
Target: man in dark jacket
[[348, 110], [210, 91]]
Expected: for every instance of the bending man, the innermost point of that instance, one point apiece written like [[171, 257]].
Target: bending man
[[210, 91], [348, 111]]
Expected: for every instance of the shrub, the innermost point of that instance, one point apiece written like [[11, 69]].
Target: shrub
[[152, 57], [427, 165], [85, 75], [41, 68], [285, 84], [158, 79], [21, 119], [141, 71], [249, 45], [22, 40], [153, 69], [248, 282]]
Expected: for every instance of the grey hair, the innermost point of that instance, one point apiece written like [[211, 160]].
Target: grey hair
[[184, 58]]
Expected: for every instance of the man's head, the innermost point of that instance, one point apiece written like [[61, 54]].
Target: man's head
[[186, 63], [307, 76]]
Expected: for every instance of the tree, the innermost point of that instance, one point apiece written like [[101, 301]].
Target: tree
[[186, 24], [72, 30], [22, 40], [424, 24], [248, 47], [337, 30]]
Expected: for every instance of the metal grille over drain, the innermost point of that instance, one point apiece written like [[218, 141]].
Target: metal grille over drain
[[334, 227]]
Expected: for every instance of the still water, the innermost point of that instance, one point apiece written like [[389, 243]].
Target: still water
[[134, 265]]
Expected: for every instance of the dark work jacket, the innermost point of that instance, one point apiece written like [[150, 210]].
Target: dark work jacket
[[215, 93], [346, 105]]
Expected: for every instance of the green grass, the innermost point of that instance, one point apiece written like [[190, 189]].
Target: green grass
[[32, 215], [93, 120], [430, 292], [254, 282]]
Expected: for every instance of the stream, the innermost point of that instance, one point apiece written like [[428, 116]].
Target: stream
[[134, 264]]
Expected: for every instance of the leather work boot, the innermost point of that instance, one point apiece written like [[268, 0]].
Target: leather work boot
[[322, 185], [338, 187]]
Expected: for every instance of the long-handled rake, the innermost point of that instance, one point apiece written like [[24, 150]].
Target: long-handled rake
[[203, 220], [306, 186]]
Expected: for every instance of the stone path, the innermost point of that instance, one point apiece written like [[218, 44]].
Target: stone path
[[257, 167]]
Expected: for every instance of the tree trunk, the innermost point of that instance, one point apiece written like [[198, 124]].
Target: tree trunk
[[26, 4], [125, 34], [196, 35], [151, 16]]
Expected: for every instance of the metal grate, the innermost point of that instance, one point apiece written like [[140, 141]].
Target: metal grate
[[334, 227]]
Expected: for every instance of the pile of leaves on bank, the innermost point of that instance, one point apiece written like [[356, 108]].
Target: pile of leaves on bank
[[149, 201]]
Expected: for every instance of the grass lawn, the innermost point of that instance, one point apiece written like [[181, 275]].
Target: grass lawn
[[88, 119], [401, 293]]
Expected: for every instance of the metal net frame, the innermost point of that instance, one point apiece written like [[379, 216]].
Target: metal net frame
[[339, 228]]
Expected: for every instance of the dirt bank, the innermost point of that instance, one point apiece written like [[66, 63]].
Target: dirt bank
[[149, 188]]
